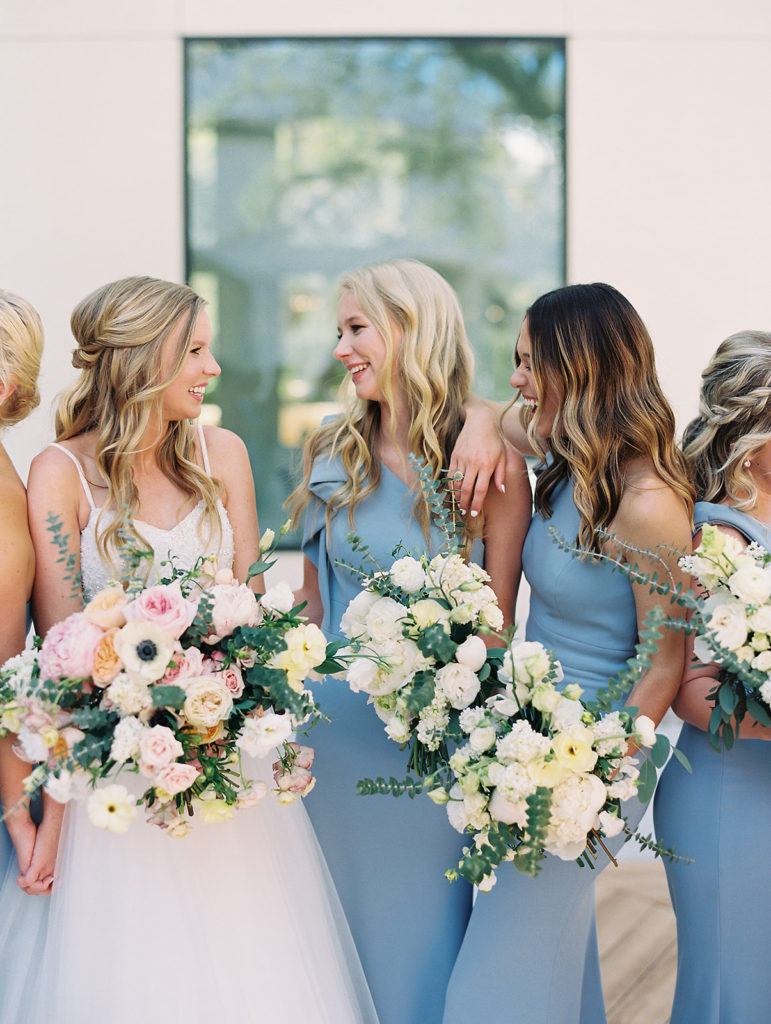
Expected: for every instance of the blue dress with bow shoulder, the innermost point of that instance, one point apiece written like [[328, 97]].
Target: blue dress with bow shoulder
[[387, 856]]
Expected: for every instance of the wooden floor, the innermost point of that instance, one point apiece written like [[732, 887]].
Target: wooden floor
[[638, 948]]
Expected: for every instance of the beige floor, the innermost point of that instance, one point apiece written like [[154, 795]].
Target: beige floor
[[638, 948]]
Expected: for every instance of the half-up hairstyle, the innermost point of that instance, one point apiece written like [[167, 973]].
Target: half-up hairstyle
[[21, 349], [734, 420], [433, 364], [121, 331], [591, 350]]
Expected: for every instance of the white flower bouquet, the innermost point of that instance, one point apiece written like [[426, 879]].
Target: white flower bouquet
[[174, 683], [733, 627], [415, 648]]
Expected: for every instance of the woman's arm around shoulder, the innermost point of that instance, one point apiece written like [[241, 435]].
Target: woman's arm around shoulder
[[652, 522], [54, 489], [229, 460], [507, 519]]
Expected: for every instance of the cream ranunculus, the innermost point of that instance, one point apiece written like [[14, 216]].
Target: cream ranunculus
[[407, 573], [762, 661], [207, 702], [751, 584], [760, 620], [428, 612]]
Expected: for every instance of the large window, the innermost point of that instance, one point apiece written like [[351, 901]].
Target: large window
[[309, 157]]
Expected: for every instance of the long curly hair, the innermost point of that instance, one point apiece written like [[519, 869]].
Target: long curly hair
[[21, 349], [592, 351], [433, 364], [734, 419], [122, 330]]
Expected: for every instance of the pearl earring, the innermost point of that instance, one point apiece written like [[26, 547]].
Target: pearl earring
[[746, 463]]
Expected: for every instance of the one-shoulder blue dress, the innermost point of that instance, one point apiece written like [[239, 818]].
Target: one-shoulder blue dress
[[530, 954], [721, 817], [387, 856]]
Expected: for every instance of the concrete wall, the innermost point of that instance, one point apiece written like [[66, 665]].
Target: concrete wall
[[668, 150]]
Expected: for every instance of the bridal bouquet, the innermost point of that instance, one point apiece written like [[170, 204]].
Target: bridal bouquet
[[173, 683], [733, 627], [416, 649]]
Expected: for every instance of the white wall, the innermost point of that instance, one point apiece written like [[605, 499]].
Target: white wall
[[668, 150]]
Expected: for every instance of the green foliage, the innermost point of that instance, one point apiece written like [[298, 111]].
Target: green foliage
[[422, 692], [168, 697], [436, 642]]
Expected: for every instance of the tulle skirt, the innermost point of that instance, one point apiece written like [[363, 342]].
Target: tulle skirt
[[237, 921]]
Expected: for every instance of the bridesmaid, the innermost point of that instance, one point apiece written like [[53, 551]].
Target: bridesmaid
[[722, 900], [403, 344], [593, 411], [27, 854]]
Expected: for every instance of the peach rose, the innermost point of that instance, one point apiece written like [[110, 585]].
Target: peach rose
[[107, 663], [107, 608]]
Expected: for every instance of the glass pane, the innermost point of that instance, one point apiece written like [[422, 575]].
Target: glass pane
[[306, 158]]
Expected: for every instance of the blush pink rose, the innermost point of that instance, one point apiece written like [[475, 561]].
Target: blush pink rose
[[232, 679], [303, 756], [176, 777], [188, 664], [166, 607], [69, 648], [299, 781], [158, 747], [233, 606]]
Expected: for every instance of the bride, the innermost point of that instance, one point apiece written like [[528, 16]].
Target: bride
[[237, 921]]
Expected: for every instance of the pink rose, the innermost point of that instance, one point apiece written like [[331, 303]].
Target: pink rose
[[158, 747], [176, 777], [299, 781], [303, 756], [233, 680], [165, 606], [188, 664], [233, 606], [69, 648]]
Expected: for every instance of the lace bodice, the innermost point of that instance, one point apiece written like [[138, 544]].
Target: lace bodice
[[184, 543]]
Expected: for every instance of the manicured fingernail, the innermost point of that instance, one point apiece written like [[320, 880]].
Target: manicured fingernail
[[503, 488], [463, 511], [474, 514]]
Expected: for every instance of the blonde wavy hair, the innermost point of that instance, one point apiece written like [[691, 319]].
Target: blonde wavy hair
[[21, 349], [122, 330], [591, 350], [417, 314], [734, 420]]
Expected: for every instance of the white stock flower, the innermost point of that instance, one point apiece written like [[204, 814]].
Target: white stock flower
[[125, 739], [523, 744], [130, 694], [279, 598], [470, 718], [111, 808], [609, 734], [407, 573]]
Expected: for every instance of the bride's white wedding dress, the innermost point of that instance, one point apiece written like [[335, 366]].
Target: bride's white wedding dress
[[236, 922]]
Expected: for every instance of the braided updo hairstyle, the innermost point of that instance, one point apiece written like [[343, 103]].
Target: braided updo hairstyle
[[734, 419]]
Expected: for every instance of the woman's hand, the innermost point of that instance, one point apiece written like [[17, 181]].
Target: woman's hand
[[38, 878], [478, 457]]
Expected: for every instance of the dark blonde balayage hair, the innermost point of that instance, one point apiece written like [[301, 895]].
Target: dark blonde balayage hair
[[21, 349], [592, 352], [433, 365], [122, 330], [734, 420]]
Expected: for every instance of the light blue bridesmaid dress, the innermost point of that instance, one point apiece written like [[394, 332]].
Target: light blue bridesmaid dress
[[720, 816], [387, 856], [530, 953]]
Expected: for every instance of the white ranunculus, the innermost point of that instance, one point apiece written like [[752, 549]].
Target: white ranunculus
[[529, 661], [762, 661], [407, 573], [472, 652], [458, 683], [482, 738], [353, 622], [384, 619], [751, 584], [760, 620], [279, 598], [728, 621], [398, 730], [566, 713]]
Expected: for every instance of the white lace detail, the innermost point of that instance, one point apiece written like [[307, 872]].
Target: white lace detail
[[182, 542]]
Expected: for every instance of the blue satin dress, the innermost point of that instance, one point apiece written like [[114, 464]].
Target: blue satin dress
[[720, 816], [530, 954], [387, 856]]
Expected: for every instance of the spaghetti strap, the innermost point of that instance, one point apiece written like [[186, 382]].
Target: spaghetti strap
[[204, 452], [81, 474]]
